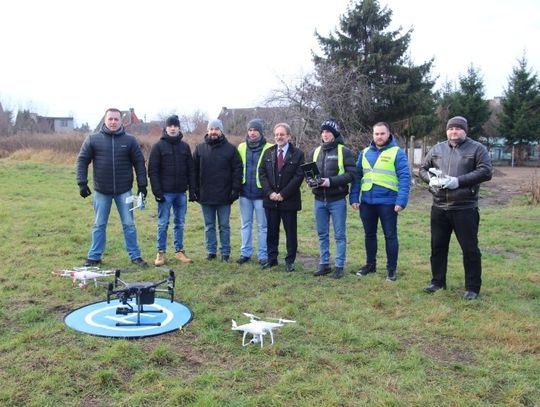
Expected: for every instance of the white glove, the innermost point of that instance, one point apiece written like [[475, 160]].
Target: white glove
[[435, 182], [451, 182], [435, 171]]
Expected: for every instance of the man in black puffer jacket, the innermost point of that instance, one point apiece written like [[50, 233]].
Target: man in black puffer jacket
[[218, 175], [113, 154], [454, 170], [171, 173], [337, 168]]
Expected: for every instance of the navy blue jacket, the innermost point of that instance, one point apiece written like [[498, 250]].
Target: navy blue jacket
[[379, 195], [113, 155]]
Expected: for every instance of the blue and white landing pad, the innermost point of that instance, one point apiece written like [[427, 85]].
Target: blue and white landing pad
[[100, 319]]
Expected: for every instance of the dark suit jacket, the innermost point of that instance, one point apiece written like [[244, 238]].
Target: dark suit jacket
[[287, 182]]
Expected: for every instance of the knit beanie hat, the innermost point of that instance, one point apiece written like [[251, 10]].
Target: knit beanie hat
[[215, 124], [172, 121], [331, 126], [458, 121], [256, 124]]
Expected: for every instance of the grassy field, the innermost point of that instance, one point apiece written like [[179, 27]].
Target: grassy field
[[357, 342]]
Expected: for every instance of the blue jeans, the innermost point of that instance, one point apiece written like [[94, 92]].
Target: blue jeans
[[247, 207], [337, 211], [102, 209], [223, 213], [178, 202], [370, 215]]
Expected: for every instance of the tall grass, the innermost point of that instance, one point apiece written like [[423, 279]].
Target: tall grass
[[357, 341]]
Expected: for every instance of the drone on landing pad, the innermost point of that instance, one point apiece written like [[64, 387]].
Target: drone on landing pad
[[258, 328], [144, 294]]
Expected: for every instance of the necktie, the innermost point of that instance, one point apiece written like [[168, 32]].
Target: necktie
[[280, 160]]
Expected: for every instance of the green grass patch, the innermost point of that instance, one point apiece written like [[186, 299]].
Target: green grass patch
[[357, 341]]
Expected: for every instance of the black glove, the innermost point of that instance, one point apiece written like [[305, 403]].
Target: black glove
[[234, 196], [159, 198], [143, 191], [84, 190], [193, 197]]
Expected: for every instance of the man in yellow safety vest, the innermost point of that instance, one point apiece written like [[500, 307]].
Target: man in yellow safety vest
[[381, 191], [251, 195]]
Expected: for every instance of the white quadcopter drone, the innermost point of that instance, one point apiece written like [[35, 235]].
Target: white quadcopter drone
[[83, 275], [258, 328]]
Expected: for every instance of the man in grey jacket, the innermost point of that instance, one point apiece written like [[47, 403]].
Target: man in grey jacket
[[113, 154], [454, 169]]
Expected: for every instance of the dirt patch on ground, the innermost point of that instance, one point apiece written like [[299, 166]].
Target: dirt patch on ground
[[507, 182]]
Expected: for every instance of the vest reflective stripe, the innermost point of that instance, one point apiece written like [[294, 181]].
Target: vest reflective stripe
[[341, 167], [383, 172], [242, 149]]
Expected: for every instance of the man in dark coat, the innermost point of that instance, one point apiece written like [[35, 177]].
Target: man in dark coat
[[281, 177], [171, 173], [218, 176], [337, 170], [454, 170], [113, 154]]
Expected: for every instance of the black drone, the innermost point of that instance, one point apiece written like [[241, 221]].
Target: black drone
[[144, 294]]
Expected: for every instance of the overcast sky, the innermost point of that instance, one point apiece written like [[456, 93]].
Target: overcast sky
[[75, 58]]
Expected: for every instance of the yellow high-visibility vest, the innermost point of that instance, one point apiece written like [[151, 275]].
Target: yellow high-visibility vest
[[383, 172], [341, 167], [242, 149]]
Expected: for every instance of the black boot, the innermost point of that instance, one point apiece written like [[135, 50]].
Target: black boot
[[323, 270], [368, 268]]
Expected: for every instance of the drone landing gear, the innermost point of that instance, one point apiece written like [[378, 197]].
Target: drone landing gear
[[128, 309]]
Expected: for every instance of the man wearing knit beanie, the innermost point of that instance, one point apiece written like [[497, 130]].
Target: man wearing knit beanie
[[171, 173], [454, 170], [251, 194], [218, 173]]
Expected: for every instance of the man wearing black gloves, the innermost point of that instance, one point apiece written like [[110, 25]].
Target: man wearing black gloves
[[113, 154], [171, 173], [218, 177]]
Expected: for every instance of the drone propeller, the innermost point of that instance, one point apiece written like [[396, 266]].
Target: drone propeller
[[283, 321], [247, 314]]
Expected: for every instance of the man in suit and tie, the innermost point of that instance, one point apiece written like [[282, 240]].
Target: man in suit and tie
[[281, 177]]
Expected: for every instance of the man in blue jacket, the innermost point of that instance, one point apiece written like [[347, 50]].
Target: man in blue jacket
[[113, 154], [383, 182]]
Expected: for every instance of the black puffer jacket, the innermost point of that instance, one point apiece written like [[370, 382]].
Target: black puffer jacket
[[287, 182], [113, 155], [468, 161], [327, 162], [218, 171], [170, 166]]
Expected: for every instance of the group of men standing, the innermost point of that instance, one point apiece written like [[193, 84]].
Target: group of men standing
[[266, 178]]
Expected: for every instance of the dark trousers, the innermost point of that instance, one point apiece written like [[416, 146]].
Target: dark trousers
[[464, 223], [273, 221], [370, 215]]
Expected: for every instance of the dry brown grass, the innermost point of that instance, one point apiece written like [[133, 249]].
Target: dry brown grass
[[64, 148]]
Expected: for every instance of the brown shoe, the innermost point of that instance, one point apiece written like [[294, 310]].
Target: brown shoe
[[181, 255], [160, 259]]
